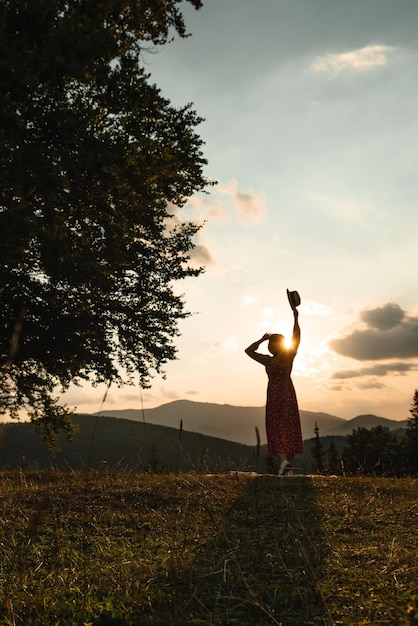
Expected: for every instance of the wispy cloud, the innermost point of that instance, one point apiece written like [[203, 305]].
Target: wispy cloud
[[204, 208], [201, 256], [360, 60], [169, 394], [249, 206], [381, 369], [227, 344], [372, 384]]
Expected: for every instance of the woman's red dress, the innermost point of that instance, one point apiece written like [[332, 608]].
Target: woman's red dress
[[284, 435]]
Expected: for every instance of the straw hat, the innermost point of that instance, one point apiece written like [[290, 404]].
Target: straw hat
[[294, 298]]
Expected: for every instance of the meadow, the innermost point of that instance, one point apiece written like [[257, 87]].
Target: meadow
[[123, 548]]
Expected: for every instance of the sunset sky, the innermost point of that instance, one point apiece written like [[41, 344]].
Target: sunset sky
[[311, 132]]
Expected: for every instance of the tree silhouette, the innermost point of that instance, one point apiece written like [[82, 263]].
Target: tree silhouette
[[333, 464], [317, 451], [375, 451], [94, 162], [411, 436]]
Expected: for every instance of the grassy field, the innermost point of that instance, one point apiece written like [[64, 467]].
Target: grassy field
[[119, 549]]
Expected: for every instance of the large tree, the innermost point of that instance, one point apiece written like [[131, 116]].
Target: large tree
[[93, 162]]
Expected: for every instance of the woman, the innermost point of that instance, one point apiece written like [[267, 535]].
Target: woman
[[284, 436]]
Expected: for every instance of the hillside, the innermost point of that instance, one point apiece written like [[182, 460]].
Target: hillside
[[122, 444], [118, 443], [234, 423], [238, 423]]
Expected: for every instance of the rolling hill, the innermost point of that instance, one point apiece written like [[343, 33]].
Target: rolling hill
[[118, 443], [106, 442], [237, 423], [233, 423]]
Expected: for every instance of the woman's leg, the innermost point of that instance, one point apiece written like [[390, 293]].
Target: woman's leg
[[284, 464]]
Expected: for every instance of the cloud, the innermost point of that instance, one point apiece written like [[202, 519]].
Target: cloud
[[204, 208], [373, 384], [380, 369], [361, 60], [201, 255], [389, 333], [227, 344], [383, 318], [169, 394], [248, 207]]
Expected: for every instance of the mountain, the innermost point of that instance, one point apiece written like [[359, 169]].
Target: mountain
[[366, 421], [238, 423], [233, 423]]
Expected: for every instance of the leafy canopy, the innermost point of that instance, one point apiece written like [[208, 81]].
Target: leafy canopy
[[94, 161]]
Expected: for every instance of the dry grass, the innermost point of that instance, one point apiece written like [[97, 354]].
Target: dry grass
[[84, 548]]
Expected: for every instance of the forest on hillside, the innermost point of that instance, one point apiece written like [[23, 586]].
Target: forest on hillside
[[117, 444]]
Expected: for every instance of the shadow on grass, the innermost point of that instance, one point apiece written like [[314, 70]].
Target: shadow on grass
[[143, 550], [262, 565]]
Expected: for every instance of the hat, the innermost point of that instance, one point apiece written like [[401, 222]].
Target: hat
[[294, 298]]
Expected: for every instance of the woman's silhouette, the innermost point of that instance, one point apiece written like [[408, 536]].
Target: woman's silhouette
[[284, 436]]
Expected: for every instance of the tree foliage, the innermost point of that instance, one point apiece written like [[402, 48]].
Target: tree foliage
[[379, 451], [374, 452], [317, 451], [411, 439], [333, 462], [93, 162]]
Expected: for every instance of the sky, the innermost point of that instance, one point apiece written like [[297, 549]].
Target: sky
[[311, 132]]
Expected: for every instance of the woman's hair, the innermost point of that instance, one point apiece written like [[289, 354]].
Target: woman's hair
[[276, 343]]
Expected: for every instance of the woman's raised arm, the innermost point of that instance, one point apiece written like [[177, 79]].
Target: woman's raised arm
[[296, 331]]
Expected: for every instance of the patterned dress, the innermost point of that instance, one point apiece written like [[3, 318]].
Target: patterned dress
[[284, 435]]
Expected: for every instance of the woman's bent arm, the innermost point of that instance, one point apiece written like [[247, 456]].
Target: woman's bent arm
[[252, 349]]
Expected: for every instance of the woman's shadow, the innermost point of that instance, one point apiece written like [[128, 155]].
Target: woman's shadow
[[263, 564]]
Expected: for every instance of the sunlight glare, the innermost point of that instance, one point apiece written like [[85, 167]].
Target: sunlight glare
[[288, 342]]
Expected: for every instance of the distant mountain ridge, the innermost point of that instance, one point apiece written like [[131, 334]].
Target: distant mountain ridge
[[237, 423], [368, 421]]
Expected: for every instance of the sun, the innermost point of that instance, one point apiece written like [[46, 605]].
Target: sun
[[288, 342]]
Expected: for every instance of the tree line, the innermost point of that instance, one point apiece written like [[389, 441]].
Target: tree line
[[371, 452]]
